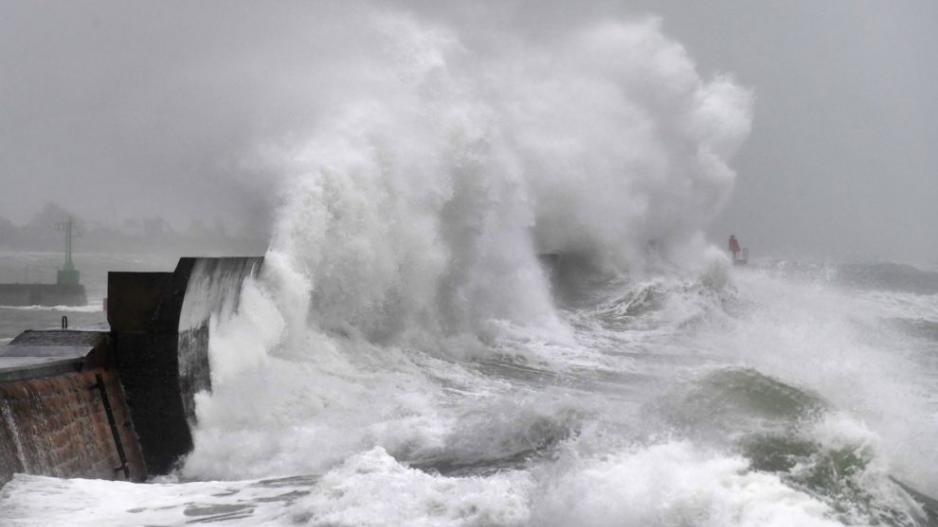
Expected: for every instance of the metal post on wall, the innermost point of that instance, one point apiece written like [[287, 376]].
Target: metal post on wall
[[112, 423]]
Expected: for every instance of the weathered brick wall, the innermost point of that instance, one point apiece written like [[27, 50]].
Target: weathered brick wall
[[57, 426]]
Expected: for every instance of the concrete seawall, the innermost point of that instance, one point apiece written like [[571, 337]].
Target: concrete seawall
[[161, 355], [117, 404], [62, 411]]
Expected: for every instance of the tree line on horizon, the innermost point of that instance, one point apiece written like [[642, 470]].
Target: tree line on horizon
[[148, 234]]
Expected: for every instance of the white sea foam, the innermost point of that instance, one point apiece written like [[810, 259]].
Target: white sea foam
[[834, 341], [414, 215], [664, 484], [673, 484]]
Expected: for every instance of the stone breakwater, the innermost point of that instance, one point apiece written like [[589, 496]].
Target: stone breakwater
[[116, 404], [62, 426]]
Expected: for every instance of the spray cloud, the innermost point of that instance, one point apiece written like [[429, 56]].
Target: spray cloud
[[438, 172]]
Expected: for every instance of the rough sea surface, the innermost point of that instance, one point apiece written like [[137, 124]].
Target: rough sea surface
[[788, 395]]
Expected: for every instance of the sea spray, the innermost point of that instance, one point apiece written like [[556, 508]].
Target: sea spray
[[426, 199], [416, 208]]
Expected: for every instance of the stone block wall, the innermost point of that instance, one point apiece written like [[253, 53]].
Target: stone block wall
[[58, 426]]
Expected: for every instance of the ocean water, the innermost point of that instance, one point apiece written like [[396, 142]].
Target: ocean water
[[777, 394], [489, 300]]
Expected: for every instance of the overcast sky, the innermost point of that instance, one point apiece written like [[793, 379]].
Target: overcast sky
[[117, 109], [843, 158]]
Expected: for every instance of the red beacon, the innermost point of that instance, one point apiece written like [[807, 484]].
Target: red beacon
[[740, 254]]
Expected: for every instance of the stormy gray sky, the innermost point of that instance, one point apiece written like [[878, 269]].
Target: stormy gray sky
[[117, 109]]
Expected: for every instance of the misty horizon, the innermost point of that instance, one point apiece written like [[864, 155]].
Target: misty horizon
[[167, 110]]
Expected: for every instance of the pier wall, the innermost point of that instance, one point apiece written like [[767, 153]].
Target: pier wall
[[59, 426], [62, 410], [160, 328], [117, 404]]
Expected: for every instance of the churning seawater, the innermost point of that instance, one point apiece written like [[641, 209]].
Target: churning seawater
[[775, 395]]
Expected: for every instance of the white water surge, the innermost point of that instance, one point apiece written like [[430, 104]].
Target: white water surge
[[409, 356], [413, 220]]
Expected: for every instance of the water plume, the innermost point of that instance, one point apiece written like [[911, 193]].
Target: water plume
[[414, 213], [425, 195]]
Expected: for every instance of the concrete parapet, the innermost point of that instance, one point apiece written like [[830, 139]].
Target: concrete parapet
[[143, 311], [159, 325], [118, 404]]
